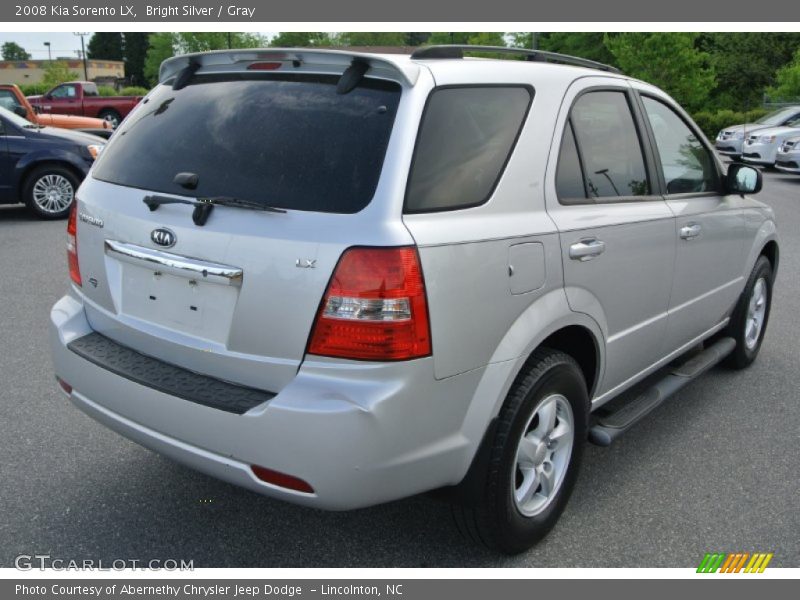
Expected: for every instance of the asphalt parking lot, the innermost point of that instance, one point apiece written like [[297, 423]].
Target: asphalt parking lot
[[715, 469]]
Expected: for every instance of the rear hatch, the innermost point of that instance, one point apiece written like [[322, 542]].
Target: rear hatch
[[234, 298]]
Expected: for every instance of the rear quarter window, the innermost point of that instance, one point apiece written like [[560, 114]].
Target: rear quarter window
[[465, 139], [286, 141]]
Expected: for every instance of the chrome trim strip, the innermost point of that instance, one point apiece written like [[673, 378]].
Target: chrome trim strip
[[182, 266]]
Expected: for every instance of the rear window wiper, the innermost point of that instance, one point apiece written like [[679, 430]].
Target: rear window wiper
[[204, 206]]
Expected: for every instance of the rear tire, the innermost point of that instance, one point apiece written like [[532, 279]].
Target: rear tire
[[49, 191], [748, 322], [110, 115], [534, 459]]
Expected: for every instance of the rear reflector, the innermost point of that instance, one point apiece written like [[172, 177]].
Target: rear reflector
[[64, 386], [374, 308], [72, 244], [282, 479]]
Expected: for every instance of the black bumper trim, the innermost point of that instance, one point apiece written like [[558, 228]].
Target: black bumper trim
[[164, 377]]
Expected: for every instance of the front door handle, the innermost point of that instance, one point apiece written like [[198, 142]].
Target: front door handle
[[586, 249], [692, 230]]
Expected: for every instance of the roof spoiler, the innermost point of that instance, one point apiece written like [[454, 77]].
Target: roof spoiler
[[307, 59]]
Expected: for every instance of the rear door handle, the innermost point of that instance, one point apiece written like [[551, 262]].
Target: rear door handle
[[586, 249], [692, 230]]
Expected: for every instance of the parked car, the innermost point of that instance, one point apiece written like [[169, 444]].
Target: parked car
[[761, 148], [340, 279], [788, 158], [12, 98], [42, 167], [730, 140], [82, 98]]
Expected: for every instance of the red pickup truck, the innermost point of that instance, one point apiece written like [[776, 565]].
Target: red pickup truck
[[82, 98]]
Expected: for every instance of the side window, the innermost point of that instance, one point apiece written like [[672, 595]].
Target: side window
[[64, 91], [685, 161], [609, 148], [464, 141], [569, 175], [8, 100]]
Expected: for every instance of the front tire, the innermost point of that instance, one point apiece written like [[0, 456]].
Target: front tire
[[49, 191], [748, 322], [534, 458]]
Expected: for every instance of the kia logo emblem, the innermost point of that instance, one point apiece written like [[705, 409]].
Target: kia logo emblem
[[163, 237]]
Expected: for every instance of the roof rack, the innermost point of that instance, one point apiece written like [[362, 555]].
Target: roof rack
[[458, 50]]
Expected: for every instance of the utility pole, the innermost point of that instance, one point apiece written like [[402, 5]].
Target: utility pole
[[49, 55], [534, 41], [229, 40], [83, 54]]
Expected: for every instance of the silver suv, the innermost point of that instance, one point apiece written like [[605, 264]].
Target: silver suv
[[340, 279]]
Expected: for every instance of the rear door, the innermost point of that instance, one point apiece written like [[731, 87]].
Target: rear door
[[617, 233], [709, 226]]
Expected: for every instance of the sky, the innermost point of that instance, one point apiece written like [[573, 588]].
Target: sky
[[62, 43]]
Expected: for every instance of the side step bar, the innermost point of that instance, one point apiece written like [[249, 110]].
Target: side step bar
[[610, 426]]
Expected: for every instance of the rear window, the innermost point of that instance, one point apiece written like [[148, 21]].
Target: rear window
[[289, 142], [464, 141]]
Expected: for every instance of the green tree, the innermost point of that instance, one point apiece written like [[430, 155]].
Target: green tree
[[161, 46], [417, 38], [746, 64], [583, 44], [56, 72], [106, 45], [669, 60], [166, 44], [136, 46], [301, 39], [492, 38], [787, 84], [363, 38], [13, 51]]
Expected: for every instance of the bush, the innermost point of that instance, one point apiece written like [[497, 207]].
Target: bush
[[133, 91], [33, 89], [712, 122], [106, 90]]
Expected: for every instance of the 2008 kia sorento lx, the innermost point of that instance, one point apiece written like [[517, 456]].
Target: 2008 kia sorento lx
[[341, 279]]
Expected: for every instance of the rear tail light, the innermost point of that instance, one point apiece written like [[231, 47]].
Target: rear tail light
[[374, 308], [72, 244], [290, 482]]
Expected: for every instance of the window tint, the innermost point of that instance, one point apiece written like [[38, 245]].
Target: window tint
[[687, 164], [569, 177], [64, 91], [289, 142], [8, 100], [464, 141], [609, 145]]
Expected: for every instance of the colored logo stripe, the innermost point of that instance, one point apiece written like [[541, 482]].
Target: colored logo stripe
[[734, 562]]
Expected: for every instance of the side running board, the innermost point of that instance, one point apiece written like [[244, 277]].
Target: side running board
[[611, 425]]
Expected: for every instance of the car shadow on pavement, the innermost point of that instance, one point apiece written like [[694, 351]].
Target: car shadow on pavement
[[16, 212]]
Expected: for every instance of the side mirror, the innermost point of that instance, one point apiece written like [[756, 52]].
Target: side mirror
[[743, 179], [20, 111]]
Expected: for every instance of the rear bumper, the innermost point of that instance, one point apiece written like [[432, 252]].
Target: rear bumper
[[359, 434]]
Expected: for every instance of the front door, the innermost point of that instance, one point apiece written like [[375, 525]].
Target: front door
[[617, 233], [709, 226]]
